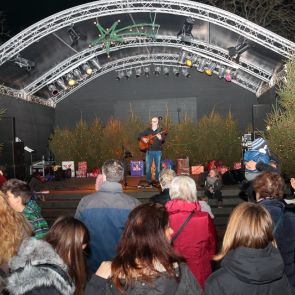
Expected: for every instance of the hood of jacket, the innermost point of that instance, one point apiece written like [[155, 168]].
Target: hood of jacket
[[27, 273], [254, 266], [178, 205]]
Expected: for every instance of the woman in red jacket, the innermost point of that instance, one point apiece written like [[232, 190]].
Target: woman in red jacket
[[197, 239]]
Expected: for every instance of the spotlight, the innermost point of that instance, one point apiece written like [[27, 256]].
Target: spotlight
[[157, 70], [166, 71], [189, 62], [176, 72], [209, 69], [185, 73], [221, 72], [88, 70], [77, 73], [186, 31], [60, 82], [95, 62], [70, 79], [138, 72], [146, 71], [182, 58], [120, 75], [128, 74], [53, 90], [201, 65], [227, 76]]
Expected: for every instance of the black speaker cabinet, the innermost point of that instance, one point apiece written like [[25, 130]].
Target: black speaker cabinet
[[259, 115]]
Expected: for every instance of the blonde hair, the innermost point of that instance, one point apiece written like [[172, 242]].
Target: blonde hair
[[165, 178], [13, 228], [183, 187], [250, 225]]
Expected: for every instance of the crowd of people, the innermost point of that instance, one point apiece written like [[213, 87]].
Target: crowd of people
[[116, 245]]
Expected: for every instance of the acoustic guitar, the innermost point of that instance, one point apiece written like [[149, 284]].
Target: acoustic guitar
[[150, 140]]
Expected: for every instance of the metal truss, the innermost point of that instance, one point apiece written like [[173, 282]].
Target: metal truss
[[184, 8], [141, 60], [22, 95], [198, 48]]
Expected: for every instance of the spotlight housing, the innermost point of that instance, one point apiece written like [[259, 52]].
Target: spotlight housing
[[185, 73], [146, 71], [53, 90], [176, 72], [88, 70], [60, 82], [138, 72], [166, 71], [70, 79], [157, 70]]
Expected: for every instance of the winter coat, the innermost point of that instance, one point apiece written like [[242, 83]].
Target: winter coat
[[197, 240], [105, 213], [161, 285], [284, 233], [37, 269], [247, 271]]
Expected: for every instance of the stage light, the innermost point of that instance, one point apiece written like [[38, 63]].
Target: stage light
[[185, 73], [146, 71], [70, 79], [88, 70], [201, 65], [210, 68], [227, 76], [60, 82], [128, 73], [182, 58], [176, 72], [221, 72], [189, 62], [95, 62], [78, 74], [138, 72], [120, 75], [53, 90], [166, 71], [157, 70]]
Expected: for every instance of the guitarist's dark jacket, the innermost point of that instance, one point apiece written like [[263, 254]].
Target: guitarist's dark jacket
[[157, 144]]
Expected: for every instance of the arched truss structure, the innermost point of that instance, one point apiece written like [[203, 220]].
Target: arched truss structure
[[253, 76]]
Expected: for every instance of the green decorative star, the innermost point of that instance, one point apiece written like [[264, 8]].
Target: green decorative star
[[112, 35]]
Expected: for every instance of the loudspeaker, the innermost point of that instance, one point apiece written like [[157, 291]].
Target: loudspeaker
[[259, 115]]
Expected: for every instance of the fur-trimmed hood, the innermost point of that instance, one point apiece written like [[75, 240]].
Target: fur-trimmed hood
[[28, 275]]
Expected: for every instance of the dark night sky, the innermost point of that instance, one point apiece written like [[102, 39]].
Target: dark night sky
[[21, 14]]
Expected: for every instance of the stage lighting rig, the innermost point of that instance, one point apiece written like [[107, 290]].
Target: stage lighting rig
[[176, 72], [221, 72], [235, 52], [60, 82], [185, 73], [95, 62], [120, 75], [228, 76], [23, 62], [201, 65], [77, 73], [138, 72], [88, 70], [128, 73], [157, 70], [70, 79], [166, 71], [53, 90], [210, 69], [74, 35], [185, 33], [146, 71]]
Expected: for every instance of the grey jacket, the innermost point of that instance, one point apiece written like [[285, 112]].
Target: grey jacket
[[162, 285], [37, 269]]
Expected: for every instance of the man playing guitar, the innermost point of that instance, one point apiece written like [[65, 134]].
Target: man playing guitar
[[153, 137]]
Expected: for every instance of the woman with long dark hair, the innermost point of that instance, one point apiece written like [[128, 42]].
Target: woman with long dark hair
[[145, 262], [251, 262], [55, 266]]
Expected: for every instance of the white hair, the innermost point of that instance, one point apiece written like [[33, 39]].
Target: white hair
[[183, 187]]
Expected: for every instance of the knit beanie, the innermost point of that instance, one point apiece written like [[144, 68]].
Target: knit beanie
[[259, 144]]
